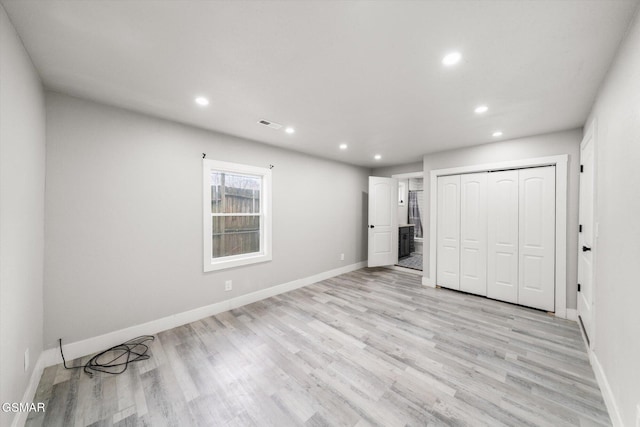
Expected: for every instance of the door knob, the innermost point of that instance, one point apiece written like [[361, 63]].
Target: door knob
[[372, 226], [586, 249]]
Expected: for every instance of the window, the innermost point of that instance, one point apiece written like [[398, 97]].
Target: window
[[237, 214]]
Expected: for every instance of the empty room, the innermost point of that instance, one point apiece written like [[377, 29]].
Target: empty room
[[319, 213]]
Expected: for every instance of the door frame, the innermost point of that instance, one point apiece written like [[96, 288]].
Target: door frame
[[560, 162], [408, 175]]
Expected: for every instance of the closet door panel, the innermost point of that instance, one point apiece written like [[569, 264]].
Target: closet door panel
[[473, 233], [448, 229], [502, 235], [537, 198]]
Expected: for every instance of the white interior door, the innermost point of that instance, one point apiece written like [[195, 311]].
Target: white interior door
[[502, 235], [537, 238], [473, 233], [586, 236], [383, 221], [448, 232]]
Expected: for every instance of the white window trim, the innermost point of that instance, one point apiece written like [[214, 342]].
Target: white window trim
[[212, 264]]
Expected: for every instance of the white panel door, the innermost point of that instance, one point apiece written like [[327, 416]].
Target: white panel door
[[383, 221], [473, 233], [586, 236], [537, 194], [502, 235], [448, 230]]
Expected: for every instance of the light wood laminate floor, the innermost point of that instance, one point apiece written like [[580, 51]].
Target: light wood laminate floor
[[372, 347]]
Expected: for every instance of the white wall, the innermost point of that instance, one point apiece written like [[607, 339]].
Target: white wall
[[22, 163], [567, 142], [387, 171], [617, 248], [124, 218]]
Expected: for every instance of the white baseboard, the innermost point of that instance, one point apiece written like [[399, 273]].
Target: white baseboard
[[605, 388], [572, 314], [93, 345], [426, 281], [20, 418]]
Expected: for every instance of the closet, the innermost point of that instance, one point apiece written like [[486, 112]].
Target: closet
[[496, 235]]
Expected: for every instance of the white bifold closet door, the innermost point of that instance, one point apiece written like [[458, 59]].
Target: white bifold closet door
[[502, 236], [473, 233], [536, 278], [448, 232], [521, 237], [496, 235]]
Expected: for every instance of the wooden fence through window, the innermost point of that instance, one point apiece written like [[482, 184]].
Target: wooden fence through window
[[234, 234]]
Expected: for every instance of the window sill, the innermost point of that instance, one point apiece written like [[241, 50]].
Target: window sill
[[236, 262]]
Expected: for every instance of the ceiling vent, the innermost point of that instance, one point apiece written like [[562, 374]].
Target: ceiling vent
[[269, 124]]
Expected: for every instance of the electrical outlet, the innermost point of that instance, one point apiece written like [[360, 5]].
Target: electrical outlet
[[228, 285], [26, 360], [341, 257]]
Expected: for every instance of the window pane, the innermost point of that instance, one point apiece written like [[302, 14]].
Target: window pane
[[235, 235], [235, 193]]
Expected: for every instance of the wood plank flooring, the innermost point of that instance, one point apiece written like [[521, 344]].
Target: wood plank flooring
[[372, 347]]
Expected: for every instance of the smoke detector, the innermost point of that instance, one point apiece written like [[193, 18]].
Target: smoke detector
[[269, 124]]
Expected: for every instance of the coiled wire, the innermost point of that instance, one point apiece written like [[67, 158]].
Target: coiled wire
[[116, 359]]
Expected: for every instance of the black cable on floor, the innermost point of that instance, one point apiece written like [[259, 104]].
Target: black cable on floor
[[131, 351]]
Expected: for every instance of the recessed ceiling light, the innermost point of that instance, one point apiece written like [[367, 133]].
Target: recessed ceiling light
[[343, 146], [451, 58], [289, 130], [377, 157], [481, 109], [202, 101], [497, 133]]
